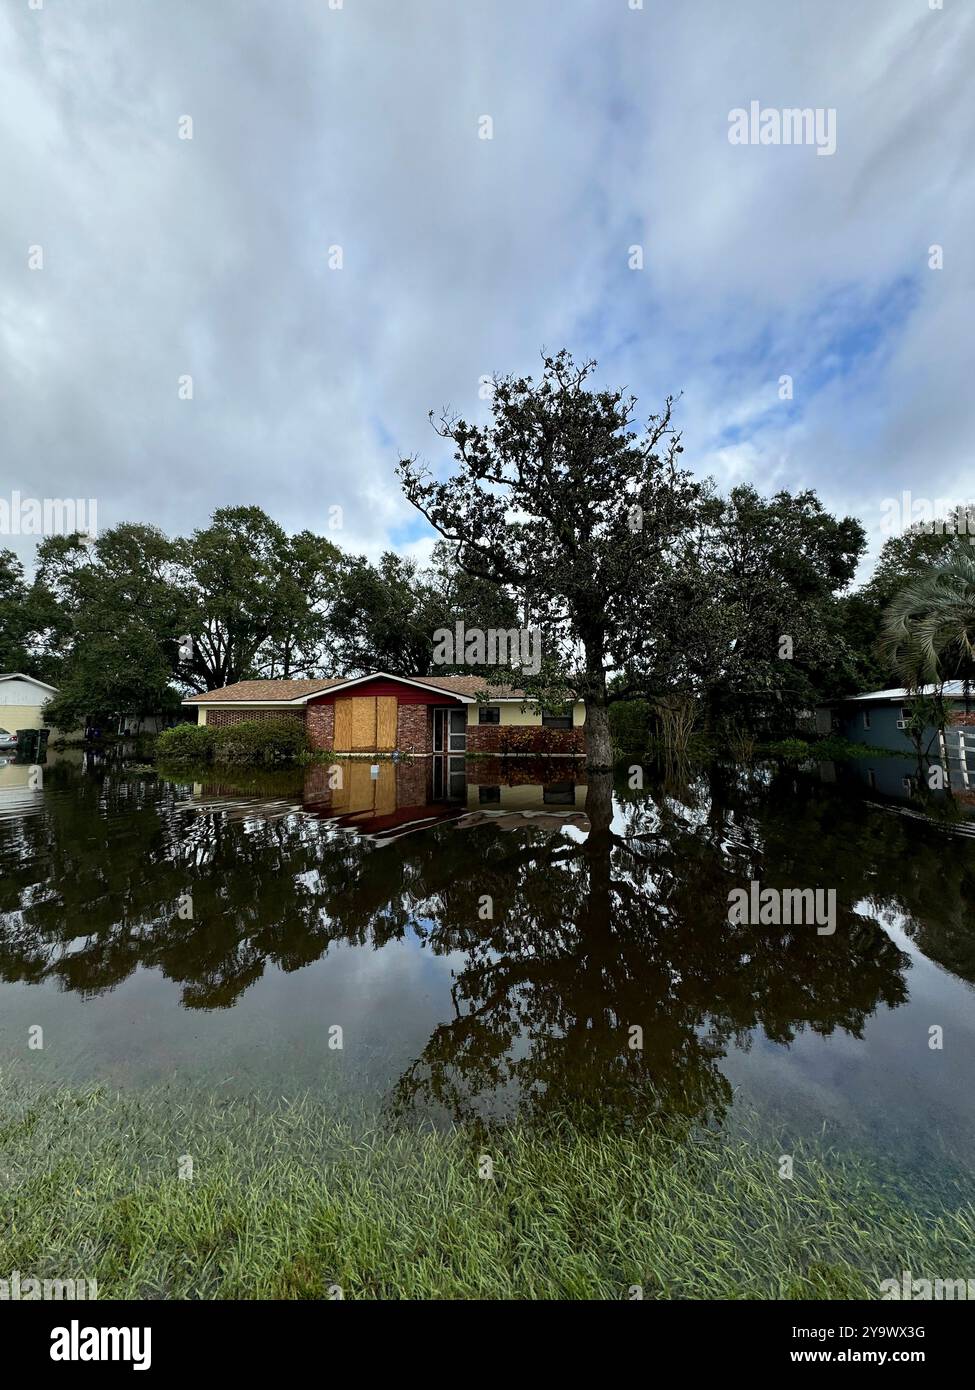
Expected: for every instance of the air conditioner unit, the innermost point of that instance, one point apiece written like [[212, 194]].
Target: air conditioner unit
[[903, 723]]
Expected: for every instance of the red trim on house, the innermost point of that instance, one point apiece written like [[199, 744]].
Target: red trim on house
[[406, 694]]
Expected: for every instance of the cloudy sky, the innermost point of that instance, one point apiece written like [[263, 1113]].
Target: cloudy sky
[[359, 125]]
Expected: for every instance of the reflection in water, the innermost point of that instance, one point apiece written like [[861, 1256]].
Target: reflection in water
[[903, 786], [382, 801], [570, 914]]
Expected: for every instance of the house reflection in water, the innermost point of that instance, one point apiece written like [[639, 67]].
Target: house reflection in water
[[939, 789], [22, 784], [386, 800]]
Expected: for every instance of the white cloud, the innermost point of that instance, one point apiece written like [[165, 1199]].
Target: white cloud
[[358, 127]]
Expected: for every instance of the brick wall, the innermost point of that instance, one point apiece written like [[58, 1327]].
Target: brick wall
[[317, 791], [414, 729], [221, 717], [320, 725], [523, 739], [520, 772], [413, 783]]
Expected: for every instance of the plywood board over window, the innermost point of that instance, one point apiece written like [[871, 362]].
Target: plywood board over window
[[363, 722], [385, 789], [343, 725], [362, 792], [386, 723]]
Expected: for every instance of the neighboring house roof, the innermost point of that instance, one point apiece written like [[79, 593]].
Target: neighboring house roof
[[465, 688], [19, 676], [953, 690]]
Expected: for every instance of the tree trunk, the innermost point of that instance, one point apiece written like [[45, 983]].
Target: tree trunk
[[599, 745], [599, 809]]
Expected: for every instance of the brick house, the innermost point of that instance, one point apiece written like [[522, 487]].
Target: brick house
[[419, 715]]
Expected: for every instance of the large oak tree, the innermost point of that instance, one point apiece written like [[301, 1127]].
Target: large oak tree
[[558, 498]]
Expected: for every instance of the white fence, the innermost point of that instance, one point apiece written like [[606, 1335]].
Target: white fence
[[958, 755]]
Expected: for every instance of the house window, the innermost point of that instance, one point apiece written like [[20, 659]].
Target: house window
[[488, 796], [488, 714], [905, 712], [557, 721], [866, 719]]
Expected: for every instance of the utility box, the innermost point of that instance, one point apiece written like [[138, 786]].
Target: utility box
[[32, 745]]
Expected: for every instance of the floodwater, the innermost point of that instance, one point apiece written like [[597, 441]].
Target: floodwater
[[458, 939]]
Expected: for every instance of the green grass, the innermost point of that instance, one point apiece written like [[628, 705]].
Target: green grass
[[830, 749], [839, 748], [287, 1200]]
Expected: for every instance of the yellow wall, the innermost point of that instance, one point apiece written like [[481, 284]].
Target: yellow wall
[[14, 717], [526, 797], [513, 714]]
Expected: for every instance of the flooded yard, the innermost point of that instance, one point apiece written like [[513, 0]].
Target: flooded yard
[[454, 940]]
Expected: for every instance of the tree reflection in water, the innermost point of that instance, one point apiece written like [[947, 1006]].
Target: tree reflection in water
[[593, 933]]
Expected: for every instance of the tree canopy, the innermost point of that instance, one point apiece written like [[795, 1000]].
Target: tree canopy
[[643, 581], [561, 513], [559, 499]]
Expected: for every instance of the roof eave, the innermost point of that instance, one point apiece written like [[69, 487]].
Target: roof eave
[[251, 704], [385, 675], [20, 676]]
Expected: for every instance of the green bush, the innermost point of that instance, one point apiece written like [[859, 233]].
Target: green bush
[[836, 749], [631, 725], [186, 743], [145, 746], [794, 748], [263, 743]]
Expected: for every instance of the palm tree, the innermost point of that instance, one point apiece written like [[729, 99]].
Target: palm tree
[[928, 636], [928, 630]]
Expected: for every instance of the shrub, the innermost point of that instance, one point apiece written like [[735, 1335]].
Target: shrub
[[265, 743], [186, 743], [741, 744], [794, 748], [145, 746], [631, 725], [834, 748], [531, 739]]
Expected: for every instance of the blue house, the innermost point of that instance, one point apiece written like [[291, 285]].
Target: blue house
[[880, 718]]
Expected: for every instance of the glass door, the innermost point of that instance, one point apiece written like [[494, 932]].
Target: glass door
[[449, 730], [457, 731]]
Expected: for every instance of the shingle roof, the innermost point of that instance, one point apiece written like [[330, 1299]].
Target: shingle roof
[[264, 690], [470, 685]]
